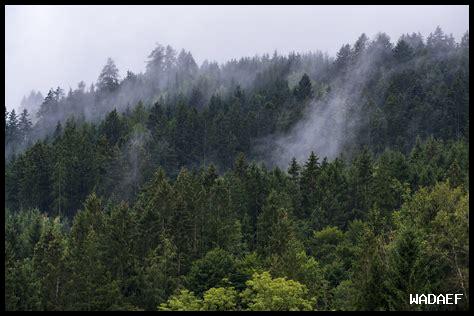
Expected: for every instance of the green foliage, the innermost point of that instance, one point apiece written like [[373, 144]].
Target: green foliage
[[183, 301], [410, 267], [49, 265], [220, 299], [216, 268], [171, 192], [304, 89], [160, 272], [188, 232], [266, 294], [274, 227]]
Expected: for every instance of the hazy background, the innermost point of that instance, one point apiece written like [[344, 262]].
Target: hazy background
[[49, 46]]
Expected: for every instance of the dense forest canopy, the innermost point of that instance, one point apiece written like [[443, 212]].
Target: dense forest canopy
[[298, 182]]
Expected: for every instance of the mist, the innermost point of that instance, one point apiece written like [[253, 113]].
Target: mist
[[50, 46], [333, 121], [174, 157], [198, 71]]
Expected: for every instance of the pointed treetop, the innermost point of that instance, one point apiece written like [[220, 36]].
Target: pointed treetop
[[313, 162], [240, 165], [294, 169]]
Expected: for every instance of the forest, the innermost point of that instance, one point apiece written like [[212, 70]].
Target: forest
[[276, 182]]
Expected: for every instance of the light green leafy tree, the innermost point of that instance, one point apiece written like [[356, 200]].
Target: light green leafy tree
[[266, 294], [182, 301], [220, 299]]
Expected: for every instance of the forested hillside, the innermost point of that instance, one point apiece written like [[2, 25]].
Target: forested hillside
[[298, 182]]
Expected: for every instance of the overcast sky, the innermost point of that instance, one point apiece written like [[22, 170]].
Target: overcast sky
[[47, 46]]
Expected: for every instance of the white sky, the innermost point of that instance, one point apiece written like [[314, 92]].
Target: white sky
[[47, 46]]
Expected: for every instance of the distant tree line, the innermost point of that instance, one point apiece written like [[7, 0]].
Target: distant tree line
[[414, 87]]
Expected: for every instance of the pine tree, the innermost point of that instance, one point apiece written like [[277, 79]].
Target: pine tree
[[304, 89], [155, 206], [274, 227], [113, 128], [155, 65], [343, 58], [409, 267], [109, 78], [49, 265], [240, 166], [369, 274], [156, 122], [13, 128], [24, 125], [160, 274], [361, 178], [310, 184], [359, 47], [294, 170], [57, 131], [402, 51]]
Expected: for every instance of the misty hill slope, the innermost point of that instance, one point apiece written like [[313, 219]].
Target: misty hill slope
[[363, 86], [166, 190], [373, 94]]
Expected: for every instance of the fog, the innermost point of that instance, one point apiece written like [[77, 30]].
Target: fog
[[50, 46]]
